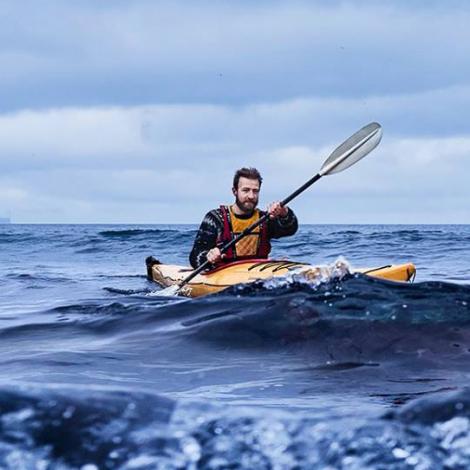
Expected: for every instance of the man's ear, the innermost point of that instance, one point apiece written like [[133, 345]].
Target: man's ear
[[234, 191]]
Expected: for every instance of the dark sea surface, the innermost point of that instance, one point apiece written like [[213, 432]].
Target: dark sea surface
[[99, 371]]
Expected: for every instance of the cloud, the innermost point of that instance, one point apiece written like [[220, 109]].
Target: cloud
[[192, 135], [140, 111], [142, 52], [180, 159]]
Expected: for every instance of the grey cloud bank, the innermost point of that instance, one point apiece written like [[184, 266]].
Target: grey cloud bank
[[84, 53], [140, 111]]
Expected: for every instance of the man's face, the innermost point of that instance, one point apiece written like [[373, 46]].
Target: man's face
[[247, 193]]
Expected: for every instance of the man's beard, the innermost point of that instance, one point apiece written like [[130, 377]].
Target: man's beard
[[247, 207]]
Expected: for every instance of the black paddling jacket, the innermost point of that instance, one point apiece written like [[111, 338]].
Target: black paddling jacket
[[216, 230]]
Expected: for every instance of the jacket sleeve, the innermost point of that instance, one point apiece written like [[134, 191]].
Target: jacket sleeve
[[206, 239], [283, 227]]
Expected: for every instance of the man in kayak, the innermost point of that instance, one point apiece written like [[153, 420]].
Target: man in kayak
[[223, 224]]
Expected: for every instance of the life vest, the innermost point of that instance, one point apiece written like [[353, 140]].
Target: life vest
[[254, 245]]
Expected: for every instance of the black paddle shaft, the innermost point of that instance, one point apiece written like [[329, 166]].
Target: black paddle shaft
[[250, 229]]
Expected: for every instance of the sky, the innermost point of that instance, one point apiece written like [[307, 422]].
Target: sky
[[140, 111]]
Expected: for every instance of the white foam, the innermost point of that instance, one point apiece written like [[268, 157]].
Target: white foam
[[311, 275]]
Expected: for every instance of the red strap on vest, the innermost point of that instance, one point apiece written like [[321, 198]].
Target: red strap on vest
[[264, 246], [227, 234]]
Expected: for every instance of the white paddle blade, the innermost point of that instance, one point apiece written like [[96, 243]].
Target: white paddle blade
[[171, 291], [353, 149]]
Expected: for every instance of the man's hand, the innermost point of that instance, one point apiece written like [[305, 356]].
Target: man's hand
[[214, 256], [275, 210]]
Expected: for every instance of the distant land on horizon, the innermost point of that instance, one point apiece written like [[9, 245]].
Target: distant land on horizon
[[5, 220]]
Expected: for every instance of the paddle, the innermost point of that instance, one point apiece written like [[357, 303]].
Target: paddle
[[348, 153]]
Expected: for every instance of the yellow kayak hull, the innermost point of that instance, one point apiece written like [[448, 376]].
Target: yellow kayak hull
[[242, 272]]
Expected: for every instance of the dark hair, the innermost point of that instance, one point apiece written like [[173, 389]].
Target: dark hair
[[250, 173]]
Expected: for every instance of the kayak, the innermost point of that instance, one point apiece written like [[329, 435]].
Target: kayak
[[241, 272]]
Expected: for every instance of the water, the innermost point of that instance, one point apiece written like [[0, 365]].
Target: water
[[99, 371]]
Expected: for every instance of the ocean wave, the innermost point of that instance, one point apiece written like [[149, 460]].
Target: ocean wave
[[345, 442], [354, 320], [68, 428], [346, 232], [32, 278], [145, 233], [115, 290], [336, 298], [57, 427], [18, 238], [359, 296], [135, 232]]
